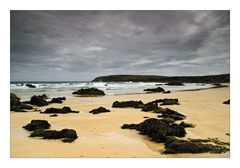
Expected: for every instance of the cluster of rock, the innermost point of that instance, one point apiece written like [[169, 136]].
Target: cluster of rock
[[99, 110], [89, 92], [16, 105], [63, 110], [40, 128]]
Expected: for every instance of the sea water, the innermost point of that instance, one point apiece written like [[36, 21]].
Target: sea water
[[54, 89]]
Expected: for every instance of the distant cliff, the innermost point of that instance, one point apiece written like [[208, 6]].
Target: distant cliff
[[223, 78]]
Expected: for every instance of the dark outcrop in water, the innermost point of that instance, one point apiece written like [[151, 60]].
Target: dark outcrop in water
[[63, 110], [30, 85], [158, 89], [188, 146], [16, 105], [223, 78], [174, 83], [38, 100], [89, 92], [37, 125], [68, 135], [123, 104], [149, 107], [227, 102], [99, 110]]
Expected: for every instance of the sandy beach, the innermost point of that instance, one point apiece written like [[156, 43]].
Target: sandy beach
[[101, 135]]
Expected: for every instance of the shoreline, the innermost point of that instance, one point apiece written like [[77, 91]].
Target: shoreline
[[101, 136]]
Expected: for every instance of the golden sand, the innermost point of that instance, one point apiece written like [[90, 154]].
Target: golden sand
[[100, 135]]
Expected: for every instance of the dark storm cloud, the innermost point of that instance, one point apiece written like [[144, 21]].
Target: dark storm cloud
[[80, 45]]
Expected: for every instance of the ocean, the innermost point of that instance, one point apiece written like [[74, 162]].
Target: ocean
[[53, 89]]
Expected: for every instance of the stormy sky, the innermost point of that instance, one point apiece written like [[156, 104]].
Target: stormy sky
[[80, 45]]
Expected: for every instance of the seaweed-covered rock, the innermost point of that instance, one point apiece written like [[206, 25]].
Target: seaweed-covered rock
[[158, 130], [174, 83], [168, 113], [69, 135], [187, 125], [16, 105], [169, 102], [30, 85], [89, 92], [188, 146], [123, 104], [38, 100], [63, 110], [158, 89], [149, 107], [99, 110], [227, 102], [37, 125]]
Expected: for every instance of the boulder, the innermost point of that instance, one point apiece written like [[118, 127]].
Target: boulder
[[227, 102], [16, 105], [89, 92], [38, 100], [149, 107], [68, 135], [188, 146], [63, 110], [174, 83], [123, 104], [56, 100], [158, 89], [158, 130], [37, 125], [99, 110], [30, 85]]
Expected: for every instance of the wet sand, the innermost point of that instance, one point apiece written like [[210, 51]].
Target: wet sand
[[100, 135]]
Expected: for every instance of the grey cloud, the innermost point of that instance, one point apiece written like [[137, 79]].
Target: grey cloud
[[80, 45]]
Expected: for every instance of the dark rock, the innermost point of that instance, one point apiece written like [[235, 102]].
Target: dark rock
[[68, 140], [166, 92], [149, 107], [169, 102], [158, 89], [38, 100], [129, 126], [227, 102], [168, 113], [30, 85], [169, 120], [44, 96], [89, 92], [56, 100], [187, 146], [53, 115], [146, 117], [16, 105], [64, 110], [186, 125], [37, 125], [99, 110], [26, 106], [158, 130], [174, 83], [123, 104], [67, 134]]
